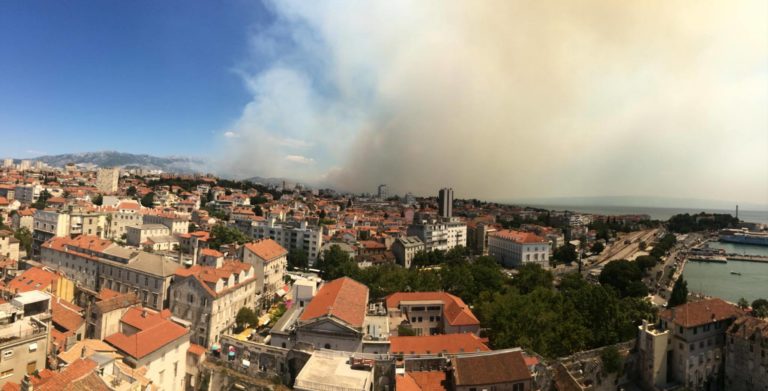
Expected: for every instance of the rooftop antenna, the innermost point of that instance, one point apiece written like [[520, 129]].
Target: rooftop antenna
[[737, 212]]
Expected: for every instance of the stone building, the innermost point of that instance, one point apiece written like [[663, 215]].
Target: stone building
[[209, 296], [269, 260], [686, 346], [746, 354]]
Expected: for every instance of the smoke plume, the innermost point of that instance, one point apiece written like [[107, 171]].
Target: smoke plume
[[511, 99]]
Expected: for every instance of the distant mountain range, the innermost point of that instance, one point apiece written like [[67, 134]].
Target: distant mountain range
[[179, 164]]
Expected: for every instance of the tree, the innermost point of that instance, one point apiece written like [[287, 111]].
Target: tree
[[42, 200], [297, 259], [98, 200], [598, 247], [611, 359], [131, 192], [743, 303], [625, 277], [336, 263], [221, 234], [760, 308], [322, 214], [2, 223], [532, 276], [25, 239], [646, 262], [405, 331], [148, 201], [258, 211], [566, 254], [246, 316], [679, 293]]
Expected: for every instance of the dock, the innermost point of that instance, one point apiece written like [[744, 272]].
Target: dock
[[725, 258]]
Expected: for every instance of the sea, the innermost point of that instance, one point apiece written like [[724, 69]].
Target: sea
[[715, 279], [752, 216]]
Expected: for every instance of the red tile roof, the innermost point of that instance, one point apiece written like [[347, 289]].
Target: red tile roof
[[33, 279], [343, 298], [79, 375], [210, 274], [455, 311], [266, 249], [211, 253], [492, 368], [196, 349], [701, 312], [66, 315], [433, 344], [518, 236], [155, 332], [91, 242], [429, 380]]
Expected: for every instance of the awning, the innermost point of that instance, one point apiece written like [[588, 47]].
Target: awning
[[246, 363], [215, 347]]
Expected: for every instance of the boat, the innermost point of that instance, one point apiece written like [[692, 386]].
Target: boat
[[743, 236], [735, 273]]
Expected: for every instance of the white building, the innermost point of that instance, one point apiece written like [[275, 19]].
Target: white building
[[406, 248], [149, 338], [516, 248], [106, 180], [443, 235], [27, 194], [290, 236], [48, 224], [270, 261], [209, 296]]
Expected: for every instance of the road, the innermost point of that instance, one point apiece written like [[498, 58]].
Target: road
[[671, 267]]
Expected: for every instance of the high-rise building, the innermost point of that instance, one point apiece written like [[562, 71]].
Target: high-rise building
[[445, 207], [7, 163], [106, 179], [25, 165], [383, 193]]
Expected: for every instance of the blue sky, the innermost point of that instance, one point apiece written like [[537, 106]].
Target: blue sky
[[155, 77]]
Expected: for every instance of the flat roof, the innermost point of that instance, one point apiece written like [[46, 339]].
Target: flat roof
[[325, 371]]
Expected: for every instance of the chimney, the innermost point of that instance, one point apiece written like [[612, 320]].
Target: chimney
[[82, 352], [26, 384], [144, 313]]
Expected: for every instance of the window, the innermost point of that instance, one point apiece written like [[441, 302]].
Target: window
[[518, 387], [7, 354], [7, 373]]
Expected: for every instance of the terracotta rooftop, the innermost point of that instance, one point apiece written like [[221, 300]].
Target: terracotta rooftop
[[211, 275], [492, 368], [80, 375], [750, 328], [518, 236], [455, 311], [266, 249], [211, 253], [33, 279], [434, 344], [343, 298], [701, 312], [66, 315], [155, 331], [428, 380], [196, 349], [91, 346]]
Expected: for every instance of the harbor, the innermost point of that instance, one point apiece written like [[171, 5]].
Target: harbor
[[728, 270]]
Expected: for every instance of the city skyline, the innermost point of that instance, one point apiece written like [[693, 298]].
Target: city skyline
[[601, 100]]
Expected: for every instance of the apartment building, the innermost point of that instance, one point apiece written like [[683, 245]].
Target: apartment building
[[746, 354], [27, 194], [106, 180], [124, 214], [289, 235], [98, 263], [103, 315], [176, 224], [686, 347], [151, 339], [24, 218], [25, 327], [439, 235], [210, 295], [517, 248], [48, 224], [9, 246], [406, 248], [430, 313], [155, 237], [269, 260]]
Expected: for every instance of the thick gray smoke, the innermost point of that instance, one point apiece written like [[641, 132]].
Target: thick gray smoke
[[512, 99]]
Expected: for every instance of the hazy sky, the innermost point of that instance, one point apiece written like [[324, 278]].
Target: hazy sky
[[498, 99]]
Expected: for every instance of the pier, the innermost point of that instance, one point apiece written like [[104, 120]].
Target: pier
[[698, 257]]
